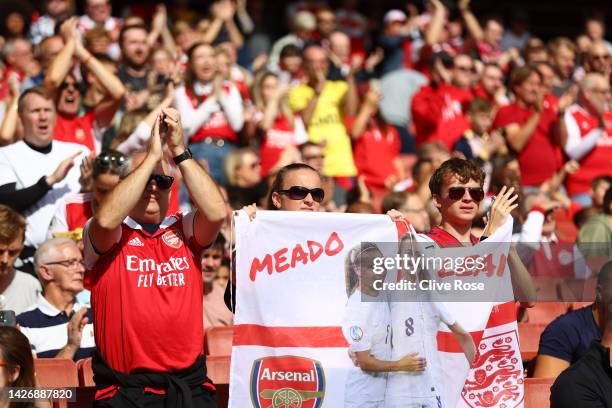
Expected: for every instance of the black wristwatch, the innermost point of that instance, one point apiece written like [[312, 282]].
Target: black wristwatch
[[186, 155]]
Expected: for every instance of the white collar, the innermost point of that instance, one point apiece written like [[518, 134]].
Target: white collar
[[200, 88], [166, 222], [48, 309]]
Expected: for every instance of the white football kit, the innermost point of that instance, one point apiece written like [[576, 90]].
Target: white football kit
[[415, 329], [366, 326]]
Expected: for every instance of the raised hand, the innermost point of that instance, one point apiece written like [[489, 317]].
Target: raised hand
[[502, 206], [174, 134], [75, 328], [62, 169], [155, 149]]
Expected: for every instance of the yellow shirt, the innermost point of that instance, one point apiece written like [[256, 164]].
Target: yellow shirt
[[327, 126]]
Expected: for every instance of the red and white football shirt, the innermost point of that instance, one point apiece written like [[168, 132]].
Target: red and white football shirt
[[594, 162], [147, 295]]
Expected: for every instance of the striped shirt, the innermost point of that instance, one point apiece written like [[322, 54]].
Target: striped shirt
[[46, 328]]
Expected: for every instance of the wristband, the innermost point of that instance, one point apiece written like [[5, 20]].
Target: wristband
[[186, 155]]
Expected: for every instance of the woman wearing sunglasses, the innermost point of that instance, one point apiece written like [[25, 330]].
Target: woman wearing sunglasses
[[297, 187]]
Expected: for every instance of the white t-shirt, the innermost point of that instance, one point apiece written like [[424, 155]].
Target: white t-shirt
[[24, 166], [415, 329], [366, 326], [21, 294]]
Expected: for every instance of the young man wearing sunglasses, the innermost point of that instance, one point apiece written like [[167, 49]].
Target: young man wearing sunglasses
[[457, 190], [147, 285]]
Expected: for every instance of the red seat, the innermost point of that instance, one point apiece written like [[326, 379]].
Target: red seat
[[85, 373], [219, 341], [546, 288], [579, 305], [56, 373], [537, 392], [529, 339], [545, 312], [218, 369], [577, 290]]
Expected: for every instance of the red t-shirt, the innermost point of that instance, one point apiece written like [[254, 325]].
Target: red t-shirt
[[374, 153], [539, 158], [79, 209], [147, 296], [595, 163], [78, 129], [437, 114], [273, 142], [217, 124]]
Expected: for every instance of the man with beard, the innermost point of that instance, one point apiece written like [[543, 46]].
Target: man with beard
[[133, 71], [86, 129]]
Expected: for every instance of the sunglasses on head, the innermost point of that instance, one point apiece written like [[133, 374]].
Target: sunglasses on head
[[300, 193], [107, 159], [162, 181], [457, 193]]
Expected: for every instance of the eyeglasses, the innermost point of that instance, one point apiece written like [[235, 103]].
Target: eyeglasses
[[600, 57], [162, 181], [68, 263], [107, 159], [300, 193], [457, 193]]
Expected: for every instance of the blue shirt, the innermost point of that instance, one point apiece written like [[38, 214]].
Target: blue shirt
[[569, 336], [46, 328]]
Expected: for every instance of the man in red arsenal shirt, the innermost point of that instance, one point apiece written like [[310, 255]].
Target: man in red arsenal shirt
[[531, 128], [437, 109], [146, 280], [589, 136]]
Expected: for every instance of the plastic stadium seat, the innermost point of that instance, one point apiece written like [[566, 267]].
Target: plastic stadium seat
[[219, 341], [218, 369], [546, 288], [529, 339], [56, 373], [577, 290], [537, 392], [579, 305], [545, 312], [85, 373]]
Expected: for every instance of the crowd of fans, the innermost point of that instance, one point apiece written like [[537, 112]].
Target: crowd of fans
[[374, 114]]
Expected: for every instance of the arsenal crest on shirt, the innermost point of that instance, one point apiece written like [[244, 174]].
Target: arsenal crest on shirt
[[174, 239]]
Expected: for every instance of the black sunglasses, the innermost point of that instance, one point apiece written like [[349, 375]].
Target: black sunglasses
[[163, 182], [300, 193], [65, 85], [457, 193]]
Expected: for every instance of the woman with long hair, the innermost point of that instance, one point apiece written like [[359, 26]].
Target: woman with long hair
[[367, 329], [16, 367], [210, 108]]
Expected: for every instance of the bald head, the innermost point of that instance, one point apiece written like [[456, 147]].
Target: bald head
[[340, 44], [599, 58], [594, 81]]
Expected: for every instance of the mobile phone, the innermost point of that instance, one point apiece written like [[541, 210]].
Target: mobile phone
[[7, 318]]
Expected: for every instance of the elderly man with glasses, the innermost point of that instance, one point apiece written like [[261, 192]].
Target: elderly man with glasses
[[57, 325]]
